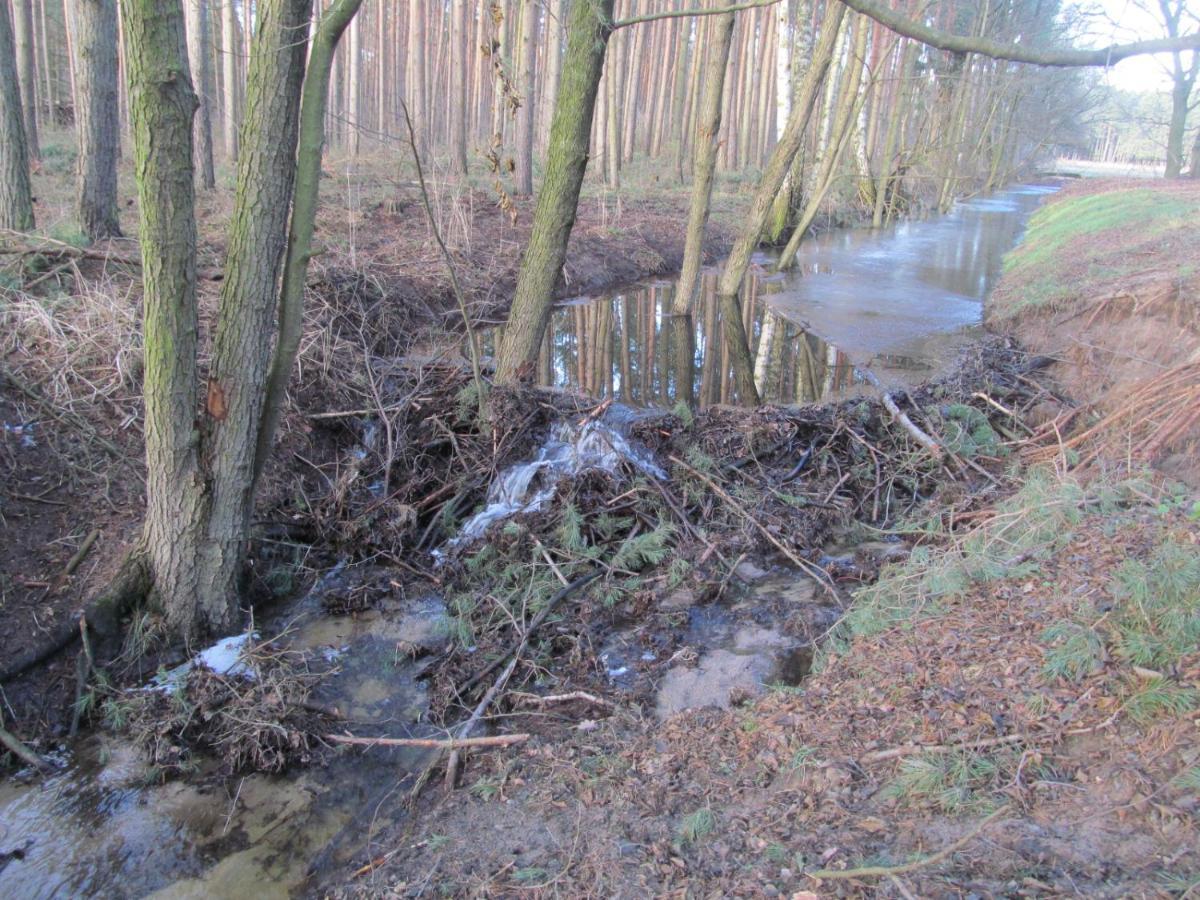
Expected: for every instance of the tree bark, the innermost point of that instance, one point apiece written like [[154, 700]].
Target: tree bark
[[242, 347], [230, 50], [27, 73], [162, 104], [16, 197], [354, 66], [707, 143], [97, 116], [526, 115], [304, 208], [587, 38], [416, 72], [199, 40]]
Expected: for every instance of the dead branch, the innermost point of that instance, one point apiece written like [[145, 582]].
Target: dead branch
[[821, 577], [938, 749], [885, 871], [465, 731], [22, 752], [496, 740]]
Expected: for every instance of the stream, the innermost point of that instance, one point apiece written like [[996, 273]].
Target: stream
[[901, 302]]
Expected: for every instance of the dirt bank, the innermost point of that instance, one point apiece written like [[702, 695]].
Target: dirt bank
[[1107, 283]]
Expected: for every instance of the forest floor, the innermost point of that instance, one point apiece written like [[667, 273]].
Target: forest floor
[[1010, 711], [987, 680]]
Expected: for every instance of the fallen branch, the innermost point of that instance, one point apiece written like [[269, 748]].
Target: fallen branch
[[465, 731], [80, 555], [496, 740], [22, 752], [886, 871], [565, 698], [938, 749], [901, 418], [821, 577]]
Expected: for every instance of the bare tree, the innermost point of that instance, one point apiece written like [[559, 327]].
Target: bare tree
[[27, 72]]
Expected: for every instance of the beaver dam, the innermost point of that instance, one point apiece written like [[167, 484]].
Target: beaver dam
[[440, 593]]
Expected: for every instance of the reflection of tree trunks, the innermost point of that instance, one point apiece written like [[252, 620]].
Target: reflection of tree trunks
[[683, 341], [708, 309], [739, 349], [577, 322], [766, 341], [625, 348], [831, 360], [546, 359], [652, 342]]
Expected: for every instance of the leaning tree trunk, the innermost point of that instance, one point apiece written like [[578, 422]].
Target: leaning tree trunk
[[781, 158], [242, 347], [304, 208], [566, 162], [27, 72], [97, 116], [199, 42], [161, 105], [16, 198], [707, 134]]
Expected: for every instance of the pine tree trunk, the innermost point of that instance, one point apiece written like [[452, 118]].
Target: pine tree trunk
[[354, 65], [554, 29], [458, 88], [416, 72], [27, 72], [199, 40], [526, 115], [16, 197], [707, 143], [230, 50], [566, 162], [161, 108], [97, 116]]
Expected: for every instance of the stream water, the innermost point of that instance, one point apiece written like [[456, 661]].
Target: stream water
[[901, 301]]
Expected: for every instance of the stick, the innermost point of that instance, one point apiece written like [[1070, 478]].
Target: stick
[[563, 698], [917, 434], [818, 574], [465, 731], [533, 626], [496, 740], [22, 752], [80, 554], [885, 871], [896, 752]]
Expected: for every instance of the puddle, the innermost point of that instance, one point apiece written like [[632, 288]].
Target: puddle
[[902, 301], [97, 828]]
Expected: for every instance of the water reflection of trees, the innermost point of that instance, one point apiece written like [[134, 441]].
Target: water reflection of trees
[[630, 348]]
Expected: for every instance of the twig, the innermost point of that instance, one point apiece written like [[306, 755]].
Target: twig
[[80, 554], [886, 871], [464, 732], [533, 626], [22, 752], [821, 577]]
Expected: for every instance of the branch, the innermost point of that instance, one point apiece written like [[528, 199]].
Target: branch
[[497, 740], [878, 871], [680, 13], [957, 43]]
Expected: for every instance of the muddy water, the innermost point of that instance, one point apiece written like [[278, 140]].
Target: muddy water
[[97, 828], [901, 301]]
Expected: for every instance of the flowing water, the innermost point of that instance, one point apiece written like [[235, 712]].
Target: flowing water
[[901, 301]]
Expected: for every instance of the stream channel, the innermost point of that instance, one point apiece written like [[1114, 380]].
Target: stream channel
[[901, 301]]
